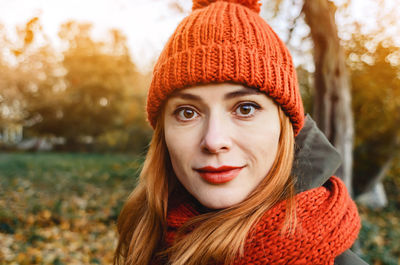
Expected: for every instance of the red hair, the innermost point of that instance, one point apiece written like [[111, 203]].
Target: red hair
[[218, 236]]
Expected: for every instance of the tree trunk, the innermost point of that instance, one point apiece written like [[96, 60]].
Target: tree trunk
[[374, 196], [332, 98]]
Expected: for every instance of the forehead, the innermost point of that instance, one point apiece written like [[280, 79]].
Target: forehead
[[225, 90]]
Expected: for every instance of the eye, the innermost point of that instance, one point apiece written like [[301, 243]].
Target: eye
[[246, 109], [186, 114]]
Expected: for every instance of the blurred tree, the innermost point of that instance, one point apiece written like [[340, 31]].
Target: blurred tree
[[99, 78], [40, 77], [7, 95], [28, 74], [374, 60], [332, 99], [90, 93], [375, 78]]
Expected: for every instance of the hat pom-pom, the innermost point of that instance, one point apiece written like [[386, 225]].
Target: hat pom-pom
[[252, 4]]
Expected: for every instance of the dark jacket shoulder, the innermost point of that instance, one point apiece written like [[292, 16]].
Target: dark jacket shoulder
[[316, 160], [349, 258]]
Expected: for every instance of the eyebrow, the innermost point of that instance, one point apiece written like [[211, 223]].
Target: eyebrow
[[242, 92], [238, 93]]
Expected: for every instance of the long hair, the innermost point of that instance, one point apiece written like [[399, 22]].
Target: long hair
[[219, 236]]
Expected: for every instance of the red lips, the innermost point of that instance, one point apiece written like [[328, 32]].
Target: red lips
[[219, 175]]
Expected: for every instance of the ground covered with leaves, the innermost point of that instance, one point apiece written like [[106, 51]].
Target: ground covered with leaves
[[59, 208], [380, 233]]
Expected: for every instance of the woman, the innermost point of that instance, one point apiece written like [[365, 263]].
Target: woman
[[219, 185]]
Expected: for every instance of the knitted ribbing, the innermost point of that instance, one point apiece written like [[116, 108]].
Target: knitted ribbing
[[328, 224], [226, 41]]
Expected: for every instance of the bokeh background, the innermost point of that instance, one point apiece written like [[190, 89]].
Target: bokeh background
[[73, 133]]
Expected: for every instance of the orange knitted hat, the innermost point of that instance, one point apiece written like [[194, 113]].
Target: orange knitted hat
[[226, 41]]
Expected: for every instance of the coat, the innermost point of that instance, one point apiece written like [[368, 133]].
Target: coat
[[316, 160]]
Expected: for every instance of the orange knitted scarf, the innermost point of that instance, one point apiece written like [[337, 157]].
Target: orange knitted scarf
[[328, 224]]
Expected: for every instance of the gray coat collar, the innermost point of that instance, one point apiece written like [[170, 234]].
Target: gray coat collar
[[316, 160]]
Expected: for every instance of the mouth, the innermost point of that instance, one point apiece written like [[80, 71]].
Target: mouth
[[219, 175]]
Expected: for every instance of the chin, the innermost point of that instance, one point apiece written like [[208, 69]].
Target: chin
[[220, 202]]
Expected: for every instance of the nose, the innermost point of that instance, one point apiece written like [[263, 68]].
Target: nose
[[216, 137]]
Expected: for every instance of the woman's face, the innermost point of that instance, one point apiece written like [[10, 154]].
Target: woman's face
[[222, 140]]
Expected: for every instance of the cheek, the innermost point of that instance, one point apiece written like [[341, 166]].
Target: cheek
[[180, 150], [261, 142], [264, 148], [174, 148], [181, 156]]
